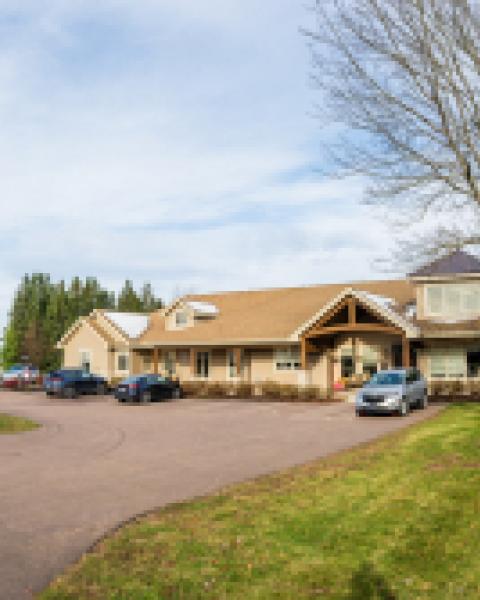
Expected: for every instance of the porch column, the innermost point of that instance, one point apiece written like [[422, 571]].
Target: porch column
[[405, 352], [303, 354], [330, 373], [237, 353], [193, 356], [155, 360]]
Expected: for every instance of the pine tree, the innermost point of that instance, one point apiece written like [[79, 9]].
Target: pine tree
[[128, 300], [148, 299]]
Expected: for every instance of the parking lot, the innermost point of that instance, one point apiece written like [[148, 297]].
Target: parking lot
[[96, 463]]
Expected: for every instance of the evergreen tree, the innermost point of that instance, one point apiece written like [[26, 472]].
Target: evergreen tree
[[148, 299], [42, 311], [128, 300]]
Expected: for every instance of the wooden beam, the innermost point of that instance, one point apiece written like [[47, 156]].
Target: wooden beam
[[405, 352], [352, 311], [155, 360], [328, 315]]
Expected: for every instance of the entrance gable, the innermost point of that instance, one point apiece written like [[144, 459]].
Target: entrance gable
[[349, 314]]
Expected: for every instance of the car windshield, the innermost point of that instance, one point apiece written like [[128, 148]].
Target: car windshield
[[387, 379]]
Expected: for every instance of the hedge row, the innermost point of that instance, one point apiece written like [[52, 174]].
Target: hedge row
[[455, 391], [268, 390]]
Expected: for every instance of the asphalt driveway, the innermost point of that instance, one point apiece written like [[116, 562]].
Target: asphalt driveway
[[95, 464]]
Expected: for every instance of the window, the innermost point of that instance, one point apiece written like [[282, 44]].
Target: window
[[460, 300], [202, 364], [85, 360], [232, 365], [180, 318], [370, 361], [170, 363], [147, 362], [122, 362], [287, 359], [449, 365], [473, 363]]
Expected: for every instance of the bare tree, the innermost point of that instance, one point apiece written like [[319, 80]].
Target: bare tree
[[403, 78]]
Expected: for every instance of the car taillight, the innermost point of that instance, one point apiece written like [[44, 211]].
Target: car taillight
[[133, 386]]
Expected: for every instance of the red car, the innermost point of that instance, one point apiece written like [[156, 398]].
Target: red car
[[19, 375]]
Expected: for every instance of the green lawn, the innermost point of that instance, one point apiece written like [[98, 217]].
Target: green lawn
[[395, 519], [9, 424]]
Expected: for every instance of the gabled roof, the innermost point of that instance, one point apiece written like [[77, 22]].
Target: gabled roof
[[263, 315], [89, 322], [456, 263], [382, 305]]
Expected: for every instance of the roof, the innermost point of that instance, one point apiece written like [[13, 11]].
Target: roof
[[131, 324], [456, 263], [264, 315]]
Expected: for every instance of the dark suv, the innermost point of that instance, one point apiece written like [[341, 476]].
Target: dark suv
[[69, 383]]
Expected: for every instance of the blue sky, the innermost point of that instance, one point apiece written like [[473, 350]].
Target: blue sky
[[170, 141]]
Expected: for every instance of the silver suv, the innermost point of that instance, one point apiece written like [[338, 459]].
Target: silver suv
[[392, 391]]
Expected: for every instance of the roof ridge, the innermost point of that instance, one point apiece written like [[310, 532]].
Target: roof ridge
[[298, 287]]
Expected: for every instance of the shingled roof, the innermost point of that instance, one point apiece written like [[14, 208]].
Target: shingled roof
[[261, 315], [456, 263]]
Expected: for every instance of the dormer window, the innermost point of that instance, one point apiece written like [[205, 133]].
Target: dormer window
[[181, 318]]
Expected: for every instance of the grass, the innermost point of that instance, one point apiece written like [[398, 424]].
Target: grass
[[394, 519], [9, 424]]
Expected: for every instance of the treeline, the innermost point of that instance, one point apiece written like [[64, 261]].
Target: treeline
[[43, 310]]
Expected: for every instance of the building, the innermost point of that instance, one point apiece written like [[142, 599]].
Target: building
[[101, 342], [312, 335]]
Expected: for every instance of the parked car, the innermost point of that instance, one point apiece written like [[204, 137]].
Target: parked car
[[69, 383], [147, 388], [19, 375], [392, 391]]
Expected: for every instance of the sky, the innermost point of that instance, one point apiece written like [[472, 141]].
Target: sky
[[170, 141]]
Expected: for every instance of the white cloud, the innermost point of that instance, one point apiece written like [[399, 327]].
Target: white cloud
[[167, 141]]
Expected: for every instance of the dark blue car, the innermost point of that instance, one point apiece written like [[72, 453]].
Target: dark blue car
[[147, 388], [69, 383]]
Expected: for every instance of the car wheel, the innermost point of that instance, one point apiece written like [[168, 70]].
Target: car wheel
[[423, 403], [404, 408], [146, 397], [101, 389], [70, 393]]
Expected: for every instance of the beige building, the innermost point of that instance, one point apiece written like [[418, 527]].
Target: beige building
[[323, 335], [102, 342]]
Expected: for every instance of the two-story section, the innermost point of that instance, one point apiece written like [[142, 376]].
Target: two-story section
[[448, 316]]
